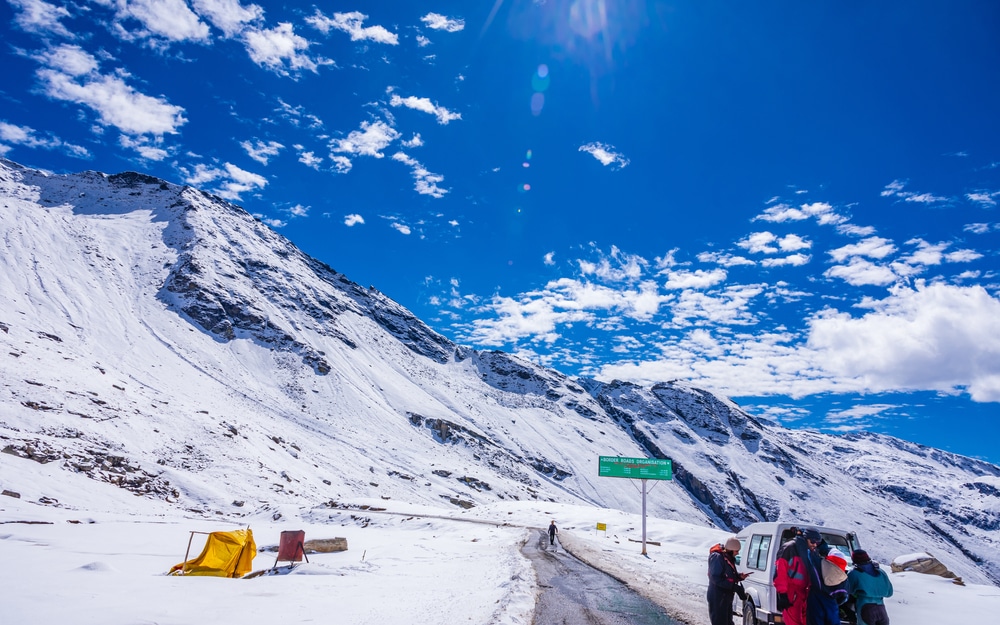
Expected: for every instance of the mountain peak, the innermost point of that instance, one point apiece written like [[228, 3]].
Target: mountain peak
[[159, 339]]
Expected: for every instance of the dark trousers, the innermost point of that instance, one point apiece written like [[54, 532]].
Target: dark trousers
[[822, 609], [874, 614], [720, 606]]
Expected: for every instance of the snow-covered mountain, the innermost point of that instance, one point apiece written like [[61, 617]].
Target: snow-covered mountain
[[160, 339]]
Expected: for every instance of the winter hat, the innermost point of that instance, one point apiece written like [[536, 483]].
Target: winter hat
[[814, 536], [860, 557], [833, 569], [733, 544], [838, 558]]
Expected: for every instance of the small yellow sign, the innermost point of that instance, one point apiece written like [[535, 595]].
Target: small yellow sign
[[602, 527]]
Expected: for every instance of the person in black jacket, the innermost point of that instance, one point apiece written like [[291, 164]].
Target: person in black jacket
[[724, 583]]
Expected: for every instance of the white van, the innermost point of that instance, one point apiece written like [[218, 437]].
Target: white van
[[760, 543]]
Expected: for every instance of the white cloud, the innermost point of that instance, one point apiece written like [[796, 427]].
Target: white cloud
[[170, 19], [934, 337], [822, 212], [925, 198], [12, 134], [726, 260], [987, 199], [279, 47], [425, 105], [145, 149], [311, 160], [872, 247], [71, 60], [855, 230], [926, 253], [538, 314], [895, 189], [861, 272], [962, 256], [271, 221], [229, 16], [759, 243], [260, 151], [979, 228], [72, 76], [698, 279], [229, 181], [793, 243], [549, 258], [353, 220], [423, 41], [415, 142], [427, 182], [296, 115], [351, 23], [299, 211], [38, 16], [794, 260], [617, 266], [341, 164], [401, 228], [731, 306], [370, 140], [437, 21], [857, 417], [606, 154]]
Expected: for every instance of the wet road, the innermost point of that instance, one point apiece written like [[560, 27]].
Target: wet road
[[573, 593]]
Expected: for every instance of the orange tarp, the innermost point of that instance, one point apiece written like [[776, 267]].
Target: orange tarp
[[226, 554]]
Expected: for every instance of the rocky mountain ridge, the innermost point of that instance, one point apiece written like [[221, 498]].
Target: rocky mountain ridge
[[160, 339]]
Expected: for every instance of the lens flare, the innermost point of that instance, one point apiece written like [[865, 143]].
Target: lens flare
[[540, 82], [537, 103]]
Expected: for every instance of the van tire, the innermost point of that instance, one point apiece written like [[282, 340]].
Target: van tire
[[749, 613]]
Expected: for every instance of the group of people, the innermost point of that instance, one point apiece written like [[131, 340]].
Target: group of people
[[809, 592]]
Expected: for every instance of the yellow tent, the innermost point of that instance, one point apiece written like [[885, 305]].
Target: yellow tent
[[226, 554]]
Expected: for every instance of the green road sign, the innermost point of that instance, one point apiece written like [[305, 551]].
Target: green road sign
[[636, 468]]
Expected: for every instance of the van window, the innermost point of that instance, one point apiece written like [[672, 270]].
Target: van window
[[757, 553]]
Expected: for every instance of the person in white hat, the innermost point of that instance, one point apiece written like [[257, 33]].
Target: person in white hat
[[723, 582]]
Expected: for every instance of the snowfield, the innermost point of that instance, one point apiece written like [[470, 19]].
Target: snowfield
[[170, 364], [100, 557]]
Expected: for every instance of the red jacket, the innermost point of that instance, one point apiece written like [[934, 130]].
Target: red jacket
[[792, 575]]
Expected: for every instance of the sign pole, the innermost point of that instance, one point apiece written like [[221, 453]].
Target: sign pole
[[643, 517]]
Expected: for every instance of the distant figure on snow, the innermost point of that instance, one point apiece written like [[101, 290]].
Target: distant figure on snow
[[553, 530], [724, 582], [868, 584]]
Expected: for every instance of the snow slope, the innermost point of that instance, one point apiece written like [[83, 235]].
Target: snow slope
[[105, 563], [163, 343]]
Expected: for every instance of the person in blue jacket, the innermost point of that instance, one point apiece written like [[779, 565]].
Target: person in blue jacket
[[724, 582], [869, 585]]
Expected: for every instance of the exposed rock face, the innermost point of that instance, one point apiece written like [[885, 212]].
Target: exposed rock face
[[185, 351]]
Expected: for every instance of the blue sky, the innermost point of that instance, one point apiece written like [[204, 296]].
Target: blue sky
[[792, 205]]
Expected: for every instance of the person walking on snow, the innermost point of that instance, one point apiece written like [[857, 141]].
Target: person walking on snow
[[868, 584], [724, 582], [553, 530], [793, 575]]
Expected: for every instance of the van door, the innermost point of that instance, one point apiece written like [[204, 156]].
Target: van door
[[758, 561]]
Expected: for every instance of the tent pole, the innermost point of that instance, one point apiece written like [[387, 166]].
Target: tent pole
[[186, 554]]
